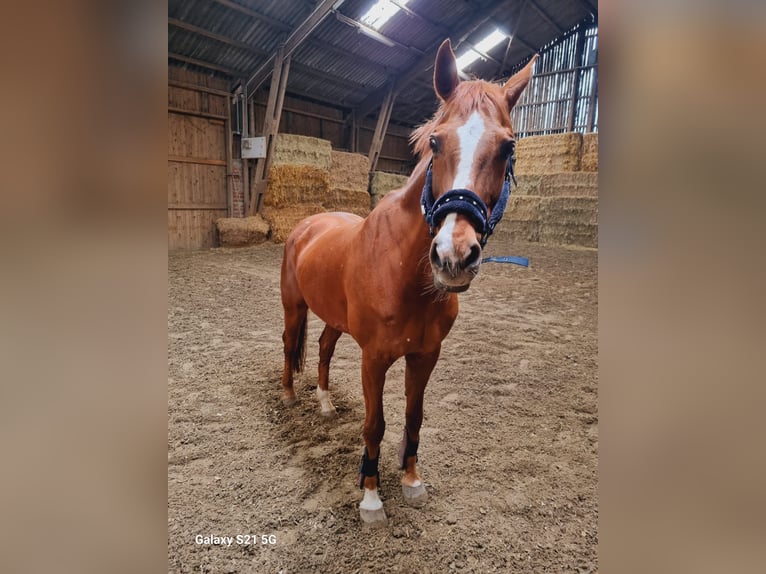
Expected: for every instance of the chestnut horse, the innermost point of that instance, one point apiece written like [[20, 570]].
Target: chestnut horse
[[390, 280]]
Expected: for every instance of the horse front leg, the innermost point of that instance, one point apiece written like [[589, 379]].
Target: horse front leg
[[373, 378], [416, 375]]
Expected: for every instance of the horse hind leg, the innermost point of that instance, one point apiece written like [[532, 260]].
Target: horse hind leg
[[327, 342], [294, 339]]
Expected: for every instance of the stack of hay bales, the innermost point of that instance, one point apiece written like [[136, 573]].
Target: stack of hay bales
[[307, 177], [298, 182], [348, 183], [556, 201], [382, 182]]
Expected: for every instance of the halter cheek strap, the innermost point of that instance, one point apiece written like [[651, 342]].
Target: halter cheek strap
[[466, 202]]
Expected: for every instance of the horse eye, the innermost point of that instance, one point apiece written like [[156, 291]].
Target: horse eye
[[507, 148], [434, 143]]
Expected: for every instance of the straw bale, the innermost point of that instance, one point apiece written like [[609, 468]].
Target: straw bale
[[289, 185], [383, 182], [302, 150], [351, 200], [548, 154], [569, 210], [283, 220], [237, 231], [522, 208], [589, 159], [349, 171], [527, 185], [570, 184], [584, 235], [510, 230]]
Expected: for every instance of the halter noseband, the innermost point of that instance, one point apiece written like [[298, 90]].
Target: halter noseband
[[466, 202]]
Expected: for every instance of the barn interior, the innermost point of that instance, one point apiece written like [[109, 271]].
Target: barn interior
[[281, 109]]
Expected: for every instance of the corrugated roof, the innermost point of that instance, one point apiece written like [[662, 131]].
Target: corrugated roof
[[338, 65]]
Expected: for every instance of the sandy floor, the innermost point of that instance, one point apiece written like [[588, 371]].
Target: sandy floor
[[508, 446]]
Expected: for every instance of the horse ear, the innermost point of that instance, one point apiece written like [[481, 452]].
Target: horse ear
[[445, 71], [516, 83]]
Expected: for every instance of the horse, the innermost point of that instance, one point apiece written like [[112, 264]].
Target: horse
[[391, 280]]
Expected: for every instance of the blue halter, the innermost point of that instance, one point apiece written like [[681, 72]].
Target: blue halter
[[466, 202]]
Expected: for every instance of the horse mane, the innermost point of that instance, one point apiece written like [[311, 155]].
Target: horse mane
[[469, 96]]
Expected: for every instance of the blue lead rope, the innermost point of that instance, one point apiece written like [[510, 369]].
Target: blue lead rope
[[523, 261]]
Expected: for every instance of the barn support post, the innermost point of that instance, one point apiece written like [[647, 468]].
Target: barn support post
[[380, 129], [592, 99], [270, 126], [228, 154], [579, 48], [245, 163]]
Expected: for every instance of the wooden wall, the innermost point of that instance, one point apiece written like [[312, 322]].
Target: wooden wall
[[197, 163]]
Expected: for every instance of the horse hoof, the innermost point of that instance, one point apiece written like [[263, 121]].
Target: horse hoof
[[373, 518], [328, 414], [289, 401], [415, 495]]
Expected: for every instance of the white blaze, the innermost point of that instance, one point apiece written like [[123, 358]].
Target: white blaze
[[444, 237], [469, 135]]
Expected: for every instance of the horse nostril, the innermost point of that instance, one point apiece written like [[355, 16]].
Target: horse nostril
[[435, 260], [473, 256]]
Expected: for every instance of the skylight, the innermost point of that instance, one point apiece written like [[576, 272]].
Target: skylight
[[381, 12], [485, 45]]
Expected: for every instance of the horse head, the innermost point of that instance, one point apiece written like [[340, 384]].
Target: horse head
[[470, 141]]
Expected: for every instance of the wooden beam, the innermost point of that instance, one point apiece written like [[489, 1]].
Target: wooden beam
[[271, 126], [273, 22], [592, 99], [382, 126], [579, 47], [200, 161], [295, 39], [198, 88], [187, 206], [202, 64], [229, 154], [545, 16], [196, 113], [217, 37]]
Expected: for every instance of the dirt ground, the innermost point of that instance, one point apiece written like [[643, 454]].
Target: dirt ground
[[508, 447]]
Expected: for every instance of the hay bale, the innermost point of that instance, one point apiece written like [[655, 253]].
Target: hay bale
[[569, 221], [350, 200], [569, 184], [349, 171], [527, 185], [283, 220], [521, 221], [569, 234], [302, 150], [238, 231], [589, 156], [381, 183], [290, 184], [548, 154]]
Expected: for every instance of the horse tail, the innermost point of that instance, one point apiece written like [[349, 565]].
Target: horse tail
[[298, 357]]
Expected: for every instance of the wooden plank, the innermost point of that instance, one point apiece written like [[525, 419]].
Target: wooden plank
[[190, 136], [229, 155], [197, 88], [197, 160], [202, 206], [197, 114], [192, 183], [193, 229]]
